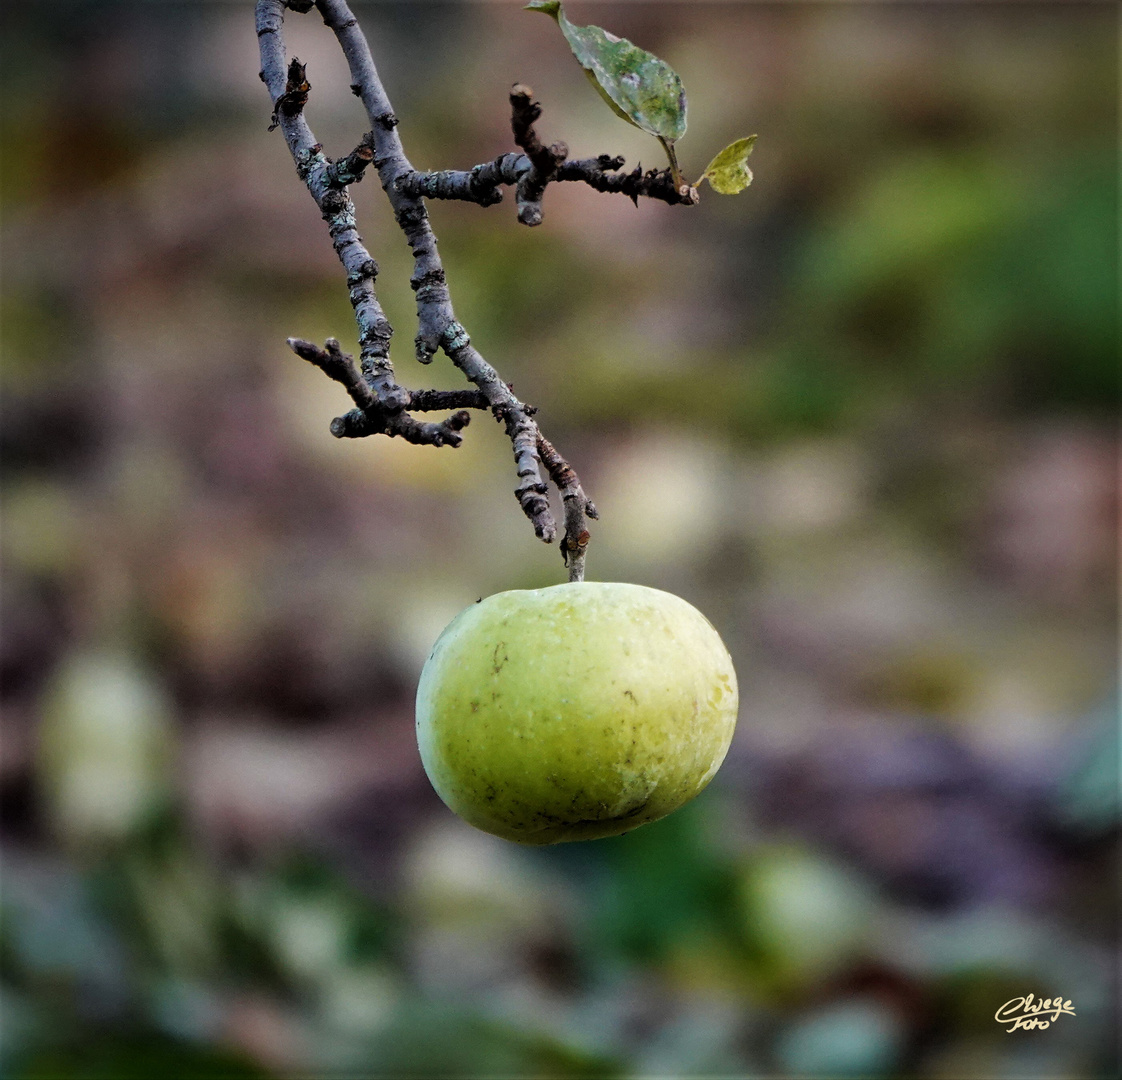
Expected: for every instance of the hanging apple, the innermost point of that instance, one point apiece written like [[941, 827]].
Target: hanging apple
[[574, 712]]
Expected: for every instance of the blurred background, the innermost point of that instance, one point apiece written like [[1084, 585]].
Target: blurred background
[[861, 415]]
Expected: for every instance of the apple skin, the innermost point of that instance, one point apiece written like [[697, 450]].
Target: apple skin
[[574, 712]]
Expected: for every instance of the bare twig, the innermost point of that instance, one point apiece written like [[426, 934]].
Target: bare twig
[[483, 183], [381, 405], [600, 173], [577, 506], [437, 324], [350, 170], [539, 166], [295, 97], [544, 160]]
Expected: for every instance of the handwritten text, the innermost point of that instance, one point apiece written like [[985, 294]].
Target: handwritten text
[[1029, 1013]]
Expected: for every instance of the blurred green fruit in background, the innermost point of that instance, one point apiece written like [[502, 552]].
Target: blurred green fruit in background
[[103, 747], [807, 916], [858, 1038]]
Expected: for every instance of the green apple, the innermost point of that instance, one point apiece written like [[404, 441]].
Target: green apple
[[574, 712]]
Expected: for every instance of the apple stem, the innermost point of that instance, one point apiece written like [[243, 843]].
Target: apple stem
[[578, 506]]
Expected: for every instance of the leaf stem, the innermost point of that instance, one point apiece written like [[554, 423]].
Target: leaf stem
[[674, 170]]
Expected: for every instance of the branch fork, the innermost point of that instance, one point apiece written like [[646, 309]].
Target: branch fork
[[538, 166], [381, 405]]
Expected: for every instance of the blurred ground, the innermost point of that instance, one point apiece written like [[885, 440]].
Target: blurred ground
[[861, 415]]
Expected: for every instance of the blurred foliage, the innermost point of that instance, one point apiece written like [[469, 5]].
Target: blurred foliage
[[862, 415]]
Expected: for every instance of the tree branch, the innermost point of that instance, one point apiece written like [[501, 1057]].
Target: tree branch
[[369, 418], [381, 405], [351, 169], [576, 504], [532, 171], [544, 160], [337, 210], [437, 325], [483, 183]]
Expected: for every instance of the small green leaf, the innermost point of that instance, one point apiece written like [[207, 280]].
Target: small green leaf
[[639, 87], [728, 172]]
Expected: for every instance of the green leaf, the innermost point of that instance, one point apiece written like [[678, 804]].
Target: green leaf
[[728, 172], [639, 87]]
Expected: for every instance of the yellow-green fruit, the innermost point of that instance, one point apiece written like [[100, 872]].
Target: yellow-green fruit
[[574, 712]]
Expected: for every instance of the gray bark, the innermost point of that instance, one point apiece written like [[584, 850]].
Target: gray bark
[[382, 406]]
